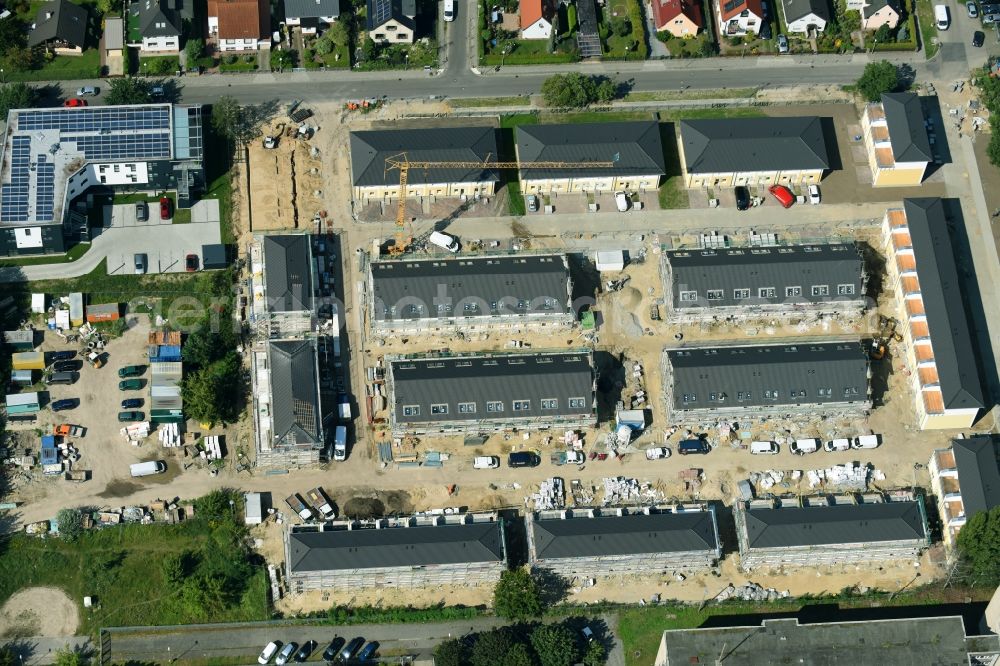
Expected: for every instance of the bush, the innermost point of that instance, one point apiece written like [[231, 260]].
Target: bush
[[516, 596], [878, 78], [70, 524], [231, 59]]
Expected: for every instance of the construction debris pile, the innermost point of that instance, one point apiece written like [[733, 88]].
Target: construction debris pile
[[750, 592], [844, 477], [551, 495], [135, 433], [621, 490]]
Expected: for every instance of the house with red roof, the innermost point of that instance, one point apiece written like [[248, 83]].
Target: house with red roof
[[739, 17], [536, 18], [681, 18], [240, 25]]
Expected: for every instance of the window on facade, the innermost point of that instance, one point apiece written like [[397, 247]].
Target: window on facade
[[845, 289], [466, 408], [391, 28], [740, 294], [766, 292], [439, 409], [821, 290], [411, 410], [471, 308], [689, 296], [577, 403], [714, 294], [793, 291], [550, 403], [522, 405], [494, 406]]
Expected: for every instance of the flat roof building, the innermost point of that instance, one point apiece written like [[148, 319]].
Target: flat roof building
[[965, 478], [746, 282], [489, 392], [740, 382], [470, 293]]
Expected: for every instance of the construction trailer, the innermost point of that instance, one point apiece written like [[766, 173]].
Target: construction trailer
[[22, 340], [473, 293], [745, 283], [253, 509], [769, 535], [616, 541], [165, 402], [32, 360], [103, 312], [287, 408], [417, 551], [22, 403]]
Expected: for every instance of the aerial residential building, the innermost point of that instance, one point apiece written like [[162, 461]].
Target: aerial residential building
[[472, 293], [60, 26], [633, 148], [876, 13], [536, 18], [743, 382], [937, 347], [834, 534], [895, 642], [965, 478], [409, 552], [311, 16], [617, 542], [739, 283], [681, 18], [158, 25], [373, 182], [53, 157], [283, 283], [483, 393], [240, 25], [739, 17], [753, 151], [391, 21], [286, 399], [899, 149], [806, 17]]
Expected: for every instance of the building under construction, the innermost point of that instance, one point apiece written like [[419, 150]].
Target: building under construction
[[475, 293], [416, 551], [282, 281], [733, 284]]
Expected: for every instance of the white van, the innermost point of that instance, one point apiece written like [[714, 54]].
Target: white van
[[340, 444], [148, 468], [449, 10], [763, 448], [941, 17], [444, 241], [803, 446], [485, 462], [866, 442], [838, 445]]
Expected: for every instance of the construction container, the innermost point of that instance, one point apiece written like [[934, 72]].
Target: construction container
[[167, 354], [610, 261], [28, 360], [20, 341], [22, 403], [38, 303], [254, 509], [76, 309], [103, 312], [22, 377]]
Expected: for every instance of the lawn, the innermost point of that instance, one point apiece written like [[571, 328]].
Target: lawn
[[633, 45], [707, 93], [61, 68], [159, 65], [74, 253], [690, 47], [527, 52], [475, 102], [928, 29]]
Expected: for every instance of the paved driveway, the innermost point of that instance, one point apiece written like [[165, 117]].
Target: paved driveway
[[164, 244]]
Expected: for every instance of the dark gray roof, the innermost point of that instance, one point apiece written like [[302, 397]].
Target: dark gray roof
[[414, 289], [637, 534], [941, 292], [797, 9], [438, 144], [755, 268], [335, 550], [754, 144], [311, 8], [903, 642], [904, 117], [978, 473], [873, 6], [288, 273], [634, 147], [838, 524], [381, 11], [67, 23], [718, 377], [499, 377], [157, 18], [295, 408]]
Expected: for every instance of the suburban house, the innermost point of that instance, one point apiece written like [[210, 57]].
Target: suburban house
[[489, 392], [59, 26], [288, 413], [782, 379], [160, 25], [240, 25], [965, 478], [876, 13], [681, 18], [623, 542], [806, 17], [739, 17], [373, 182], [407, 552], [771, 535], [476, 293], [536, 18], [634, 148], [753, 151], [937, 346], [895, 642], [53, 157], [392, 21], [311, 16], [896, 140], [740, 283], [283, 285]]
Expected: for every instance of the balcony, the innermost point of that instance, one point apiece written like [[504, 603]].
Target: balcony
[[884, 158], [880, 134], [933, 401], [896, 217], [914, 306], [928, 375], [875, 112]]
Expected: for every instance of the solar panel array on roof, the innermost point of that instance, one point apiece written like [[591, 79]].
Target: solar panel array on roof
[[114, 119], [45, 188], [383, 11], [14, 195]]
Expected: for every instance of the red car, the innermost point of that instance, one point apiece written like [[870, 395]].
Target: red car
[[191, 263], [164, 208], [75, 102], [782, 194]]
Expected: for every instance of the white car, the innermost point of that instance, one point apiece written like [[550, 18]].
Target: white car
[[814, 194], [841, 444], [86, 90], [621, 200], [268, 653], [485, 462], [657, 453], [764, 448]]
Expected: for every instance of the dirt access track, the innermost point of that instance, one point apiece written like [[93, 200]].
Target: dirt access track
[[39, 611]]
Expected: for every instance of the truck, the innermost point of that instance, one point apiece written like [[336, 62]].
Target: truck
[[344, 407], [320, 504], [78, 475], [70, 430], [296, 504], [567, 458], [340, 444]]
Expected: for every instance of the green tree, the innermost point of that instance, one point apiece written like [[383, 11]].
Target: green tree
[[324, 45], [568, 90], [338, 33], [450, 653], [707, 48], [21, 58], [516, 596], [605, 91], [193, 50], [128, 90], [368, 49], [595, 655], [105, 7], [490, 647], [12, 34], [16, 96], [280, 59], [69, 657], [555, 645], [239, 124], [979, 547], [158, 66], [993, 149], [571, 18], [212, 338], [878, 77], [621, 26], [883, 34], [7, 656], [518, 655], [213, 394], [70, 524]]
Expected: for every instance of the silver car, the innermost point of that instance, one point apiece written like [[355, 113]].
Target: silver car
[[782, 44]]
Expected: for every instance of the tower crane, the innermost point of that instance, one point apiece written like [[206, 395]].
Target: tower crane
[[404, 164]]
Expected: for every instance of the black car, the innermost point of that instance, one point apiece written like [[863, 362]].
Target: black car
[[523, 459], [131, 403], [368, 652], [304, 651], [978, 37], [333, 649], [62, 355], [60, 405], [693, 446], [742, 198], [67, 366], [351, 648]]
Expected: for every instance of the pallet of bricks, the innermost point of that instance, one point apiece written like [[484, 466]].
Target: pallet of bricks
[[170, 435]]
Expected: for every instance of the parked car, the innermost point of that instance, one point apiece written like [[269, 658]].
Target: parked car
[[532, 203], [191, 263], [621, 201], [132, 371], [588, 634], [333, 649], [782, 194], [978, 37], [304, 651], [351, 648], [286, 653], [764, 448], [268, 652], [742, 198], [782, 44], [270, 142], [165, 208], [156, 91], [657, 453], [866, 442], [87, 90], [837, 445], [61, 355], [131, 403], [523, 459], [971, 9], [141, 211], [135, 415], [693, 446], [67, 403], [67, 366], [130, 385], [75, 102], [814, 194], [486, 462], [368, 652], [141, 262], [801, 447]]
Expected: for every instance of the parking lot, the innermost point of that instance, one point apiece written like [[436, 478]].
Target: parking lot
[[164, 243]]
